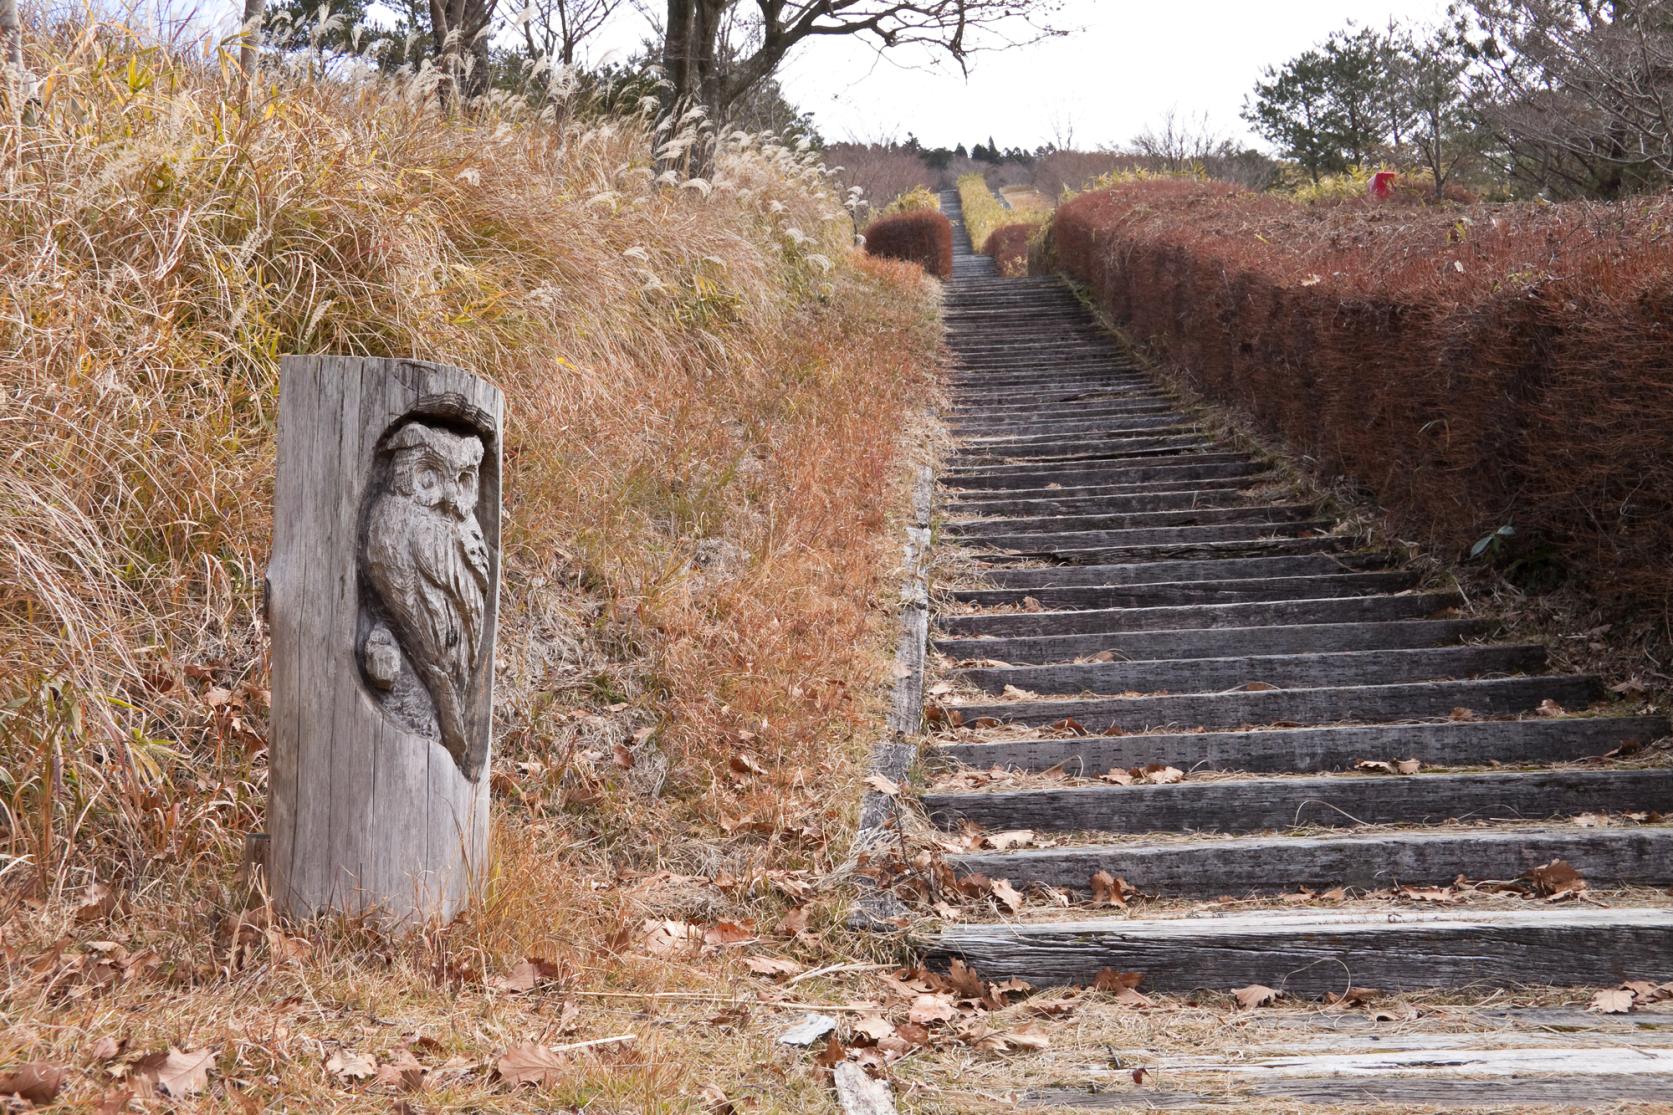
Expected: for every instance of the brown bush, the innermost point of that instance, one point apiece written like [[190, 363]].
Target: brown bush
[[1472, 367], [922, 236], [1008, 245]]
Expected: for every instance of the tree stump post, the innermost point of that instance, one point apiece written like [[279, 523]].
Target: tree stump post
[[382, 599]]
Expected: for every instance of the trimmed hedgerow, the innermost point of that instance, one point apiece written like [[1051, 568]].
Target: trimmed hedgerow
[[921, 236], [1472, 367], [1008, 245]]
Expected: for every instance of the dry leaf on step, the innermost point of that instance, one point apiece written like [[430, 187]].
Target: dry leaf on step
[[1014, 838], [1556, 880], [884, 785], [775, 966], [1617, 1001], [1255, 995], [1007, 895]]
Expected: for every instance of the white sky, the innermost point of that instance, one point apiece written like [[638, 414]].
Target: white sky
[[1131, 62], [1126, 63]]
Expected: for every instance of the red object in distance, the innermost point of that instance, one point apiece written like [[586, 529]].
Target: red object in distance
[[1381, 185]]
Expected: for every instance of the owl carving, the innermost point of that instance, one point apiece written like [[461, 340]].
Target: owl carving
[[427, 561]]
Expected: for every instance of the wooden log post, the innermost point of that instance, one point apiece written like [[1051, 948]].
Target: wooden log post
[[382, 601]]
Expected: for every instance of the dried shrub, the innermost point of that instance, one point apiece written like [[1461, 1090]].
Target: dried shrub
[[1471, 367], [1008, 245], [920, 236]]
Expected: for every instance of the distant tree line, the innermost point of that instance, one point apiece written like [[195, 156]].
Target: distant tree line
[[1567, 98]]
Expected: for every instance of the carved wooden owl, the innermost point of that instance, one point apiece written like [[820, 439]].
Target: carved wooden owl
[[428, 561]]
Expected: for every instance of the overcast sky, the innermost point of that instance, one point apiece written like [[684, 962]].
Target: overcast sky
[[1123, 70], [1124, 65]]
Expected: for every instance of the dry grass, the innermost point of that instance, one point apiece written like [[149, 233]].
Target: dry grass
[[697, 537]]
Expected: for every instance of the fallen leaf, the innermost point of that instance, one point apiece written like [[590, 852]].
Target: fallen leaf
[[1110, 890], [37, 1082], [177, 1074], [773, 966], [1158, 774], [525, 977], [884, 785], [874, 1027], [1548, 707], [1119, 777], [1556, 880], [1139, 1074], [932, 1008], [530, 1064], [1617, 1001], [96, 902], [715, 1101], [1014, 693], [1255, 995], [1007, 895], [725, 934], [351, 1066], [1004, 841]]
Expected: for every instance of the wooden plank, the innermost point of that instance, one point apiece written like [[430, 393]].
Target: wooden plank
[[1306, 750], [994, 531], [1264, 523], [1311, 953], [1154, 572], [1230, 495], [1138, 646], [1057, 433], [1181, 467], [1261, 865], [1347, 609], [1089, 450], [1259, 804], [1179, 551], [1212, 675], [1158, 594], [1406, 1092]]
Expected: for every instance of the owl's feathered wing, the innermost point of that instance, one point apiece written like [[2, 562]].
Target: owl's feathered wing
[[431, 574]]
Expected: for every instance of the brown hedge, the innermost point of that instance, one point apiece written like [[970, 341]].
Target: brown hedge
[[1008, 245], [922, 236], [1471, 366]]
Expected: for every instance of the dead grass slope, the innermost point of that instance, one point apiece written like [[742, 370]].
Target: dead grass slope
[[703, 383]]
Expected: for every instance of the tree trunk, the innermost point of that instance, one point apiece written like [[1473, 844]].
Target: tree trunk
[[248, 53], [382, 602]]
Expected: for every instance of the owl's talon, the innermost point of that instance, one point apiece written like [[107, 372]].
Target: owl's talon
[[382, 657]]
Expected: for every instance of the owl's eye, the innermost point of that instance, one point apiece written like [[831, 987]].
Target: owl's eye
[[427, 478]]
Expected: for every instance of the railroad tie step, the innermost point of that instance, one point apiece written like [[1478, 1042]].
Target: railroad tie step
[[1262, 865], [1259, 804], [1317, 749], [1220, 590]]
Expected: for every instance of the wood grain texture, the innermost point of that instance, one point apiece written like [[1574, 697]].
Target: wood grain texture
[[366, 816], [1405, 1091], [1329, 705], [1258, 804], [1305, 750], [1227, 590], [1218, 642], [983, 530], [1312, 953], [1210, 675], [1349, 609], [1265, 865], [1157, 572]]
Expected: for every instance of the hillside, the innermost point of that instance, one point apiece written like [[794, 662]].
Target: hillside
[[698, 537]]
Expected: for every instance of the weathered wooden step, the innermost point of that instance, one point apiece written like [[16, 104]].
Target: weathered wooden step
[[989, 421], [1269, 522], [1335, 800], [1073, 450], [1153, 572], [1059, 433], [1138, 470], [1346, 609], [1093, 401], [1332, 705], [1059, 525], [1308, 750], [1216, 494], [1217, 642], [1178, 551], [1289, 671], [1584, 1078], [1164, 593], [1273, 864], [1310, 953]]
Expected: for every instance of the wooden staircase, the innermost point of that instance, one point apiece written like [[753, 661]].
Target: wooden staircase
[[1137, 592]]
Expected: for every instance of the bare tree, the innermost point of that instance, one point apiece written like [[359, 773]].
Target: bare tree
[[699, 35], [11, 30], [1578, 92], [459, 37], [1179, 141], [1431, 91], [555, 29]]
